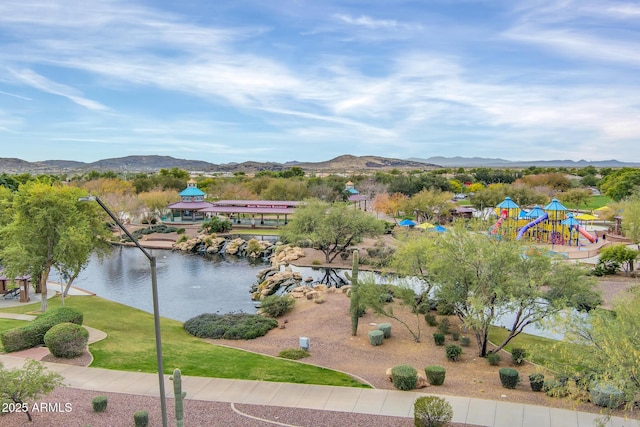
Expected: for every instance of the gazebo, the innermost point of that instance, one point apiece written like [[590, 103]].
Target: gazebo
[[190, 204]]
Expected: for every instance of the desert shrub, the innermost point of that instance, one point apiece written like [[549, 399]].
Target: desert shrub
[[216, 225], [465, 341], [444, 309], [431, 411], [493, 359], [99, 403], [254, 248], [66, 340], [536, 381], [435, 374], [438, 338], [316, 262], [386, 329], [431, 320], [455, 335], [276, 305], [606, 395], [229, 326], [453, 352], [375, 337], [518, 356], [141, 419], [182, 238], [32, 334], [404, 377], [509, 377], [180, 230], [294, 353], [554, 389], [444, 326]]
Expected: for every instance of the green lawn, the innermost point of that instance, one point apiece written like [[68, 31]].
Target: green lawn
[[256, 231], [130, 346], [537, 347], [594, 203]]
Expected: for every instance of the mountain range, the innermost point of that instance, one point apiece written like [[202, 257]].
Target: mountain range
[[345, 164]]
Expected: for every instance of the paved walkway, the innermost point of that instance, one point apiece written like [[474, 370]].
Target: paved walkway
[[328, 398]]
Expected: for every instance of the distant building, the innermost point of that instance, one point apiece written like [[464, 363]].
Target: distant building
[[191, 201]]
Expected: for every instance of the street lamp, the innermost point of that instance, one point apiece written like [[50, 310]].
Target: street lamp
[[154, 291]]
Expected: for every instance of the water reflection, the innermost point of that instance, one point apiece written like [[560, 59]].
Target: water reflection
[[188, 284]]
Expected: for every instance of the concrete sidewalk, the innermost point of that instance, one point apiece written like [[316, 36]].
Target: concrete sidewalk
[[328, 398]]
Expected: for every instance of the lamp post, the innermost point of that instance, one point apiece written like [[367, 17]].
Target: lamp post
[[154, 291]]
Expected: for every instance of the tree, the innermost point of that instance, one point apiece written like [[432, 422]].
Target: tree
[[331, 228], [430, 204], [484, 278], [619, 255], [604, 347], [286, 189], [620, 184], [576, 197], [156, 201], [23, 385], [631, 218], [49, 227]]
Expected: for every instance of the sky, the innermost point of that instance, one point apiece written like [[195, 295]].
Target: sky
[[308, 80]]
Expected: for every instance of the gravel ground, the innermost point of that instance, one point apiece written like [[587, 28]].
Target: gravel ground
[[121, 407]]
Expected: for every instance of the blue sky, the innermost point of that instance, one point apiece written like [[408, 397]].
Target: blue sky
[[308, 80]]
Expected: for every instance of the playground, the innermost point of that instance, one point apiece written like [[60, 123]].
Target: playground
[[553, 224]]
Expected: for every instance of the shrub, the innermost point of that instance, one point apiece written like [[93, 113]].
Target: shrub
[[518, 356], [465, 341], [180, 230], [607, 395], [431, 411], [444, 326], [453, 352], [277, 305], [493, 359], [404, 377], [141, 419], [66, 340], [216, 225], [536, 381], [294, 353], [229, 326], [435, 374], [438, 338], [554, 389], [509, 377], [33, 333], [182, 238], [444, 309], [99, 403], [455, 335], [375, 337], [386, 329], [431, 319]]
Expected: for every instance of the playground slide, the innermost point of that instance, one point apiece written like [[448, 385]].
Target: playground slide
[[503, 216], [589, 237], [531, 224]]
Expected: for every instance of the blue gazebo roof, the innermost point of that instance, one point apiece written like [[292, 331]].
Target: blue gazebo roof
[[507, 203], [191, 192], [555, 205], [570, 221], [536, 212]]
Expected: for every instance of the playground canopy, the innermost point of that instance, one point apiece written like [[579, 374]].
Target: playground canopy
[[586, 217], [407, 223], [425, 225], [536, 212]]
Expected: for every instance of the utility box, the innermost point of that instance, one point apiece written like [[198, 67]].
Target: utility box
[[304, 343]]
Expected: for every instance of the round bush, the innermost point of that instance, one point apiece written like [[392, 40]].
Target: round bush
[[276, 305], [453, 352], [438, 338], [536, 381], [518, 356], [606, 395], [493, 359], [431, 319], [431, 411], [404, 377], [465, 341], [435, 374], [376, 337], [386, 329], [99, 403], [294, 353], [229, 326], [66, 340], [509, 377]]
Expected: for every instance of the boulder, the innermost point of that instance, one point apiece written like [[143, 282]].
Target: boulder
[[389, 374], [422, 382]]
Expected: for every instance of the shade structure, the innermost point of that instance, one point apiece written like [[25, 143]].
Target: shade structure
[[407, 223], [603, 208], [570, 221], [586, 217], [425, 225], [555, 205], [536, 212], [507, 203], [438, 228]]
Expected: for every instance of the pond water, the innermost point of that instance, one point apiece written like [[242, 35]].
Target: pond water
[[188, 284]]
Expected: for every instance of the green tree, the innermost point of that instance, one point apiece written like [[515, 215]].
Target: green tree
[[484, 278], [331, 228], [631, 218], [620, 184], [25, 385], [430, 204], [49, 227], [576, 197], [605, 347], [619, 255]]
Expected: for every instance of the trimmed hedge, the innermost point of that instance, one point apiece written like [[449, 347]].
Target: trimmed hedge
[[66, 340], [435, 374], [141, 418], [518, 356], [232, 326], [32, 334], [376, 337], [404, 377], [438, 338], [99, 403], [385, 328], [509, 377]]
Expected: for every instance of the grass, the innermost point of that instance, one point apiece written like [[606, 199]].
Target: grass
[[255, 231], [130, 346], [594, 203], [536, 346]]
